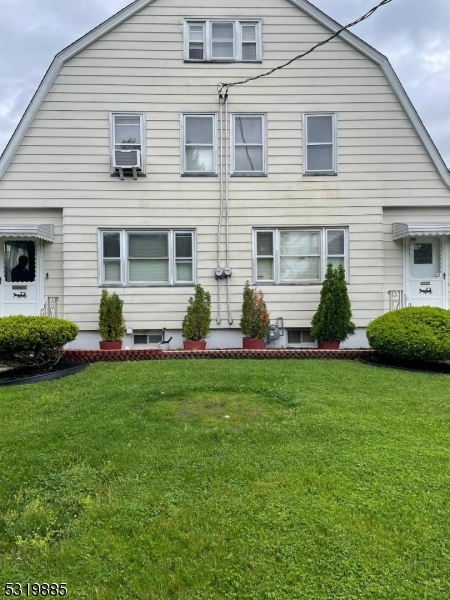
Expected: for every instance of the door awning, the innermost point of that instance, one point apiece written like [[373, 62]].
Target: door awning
[[41, 232], [402, 230]]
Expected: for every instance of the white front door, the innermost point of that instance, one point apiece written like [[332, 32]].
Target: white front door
[[426, 266], [20, 288]]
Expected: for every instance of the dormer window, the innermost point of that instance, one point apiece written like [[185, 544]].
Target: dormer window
[[222, 41]]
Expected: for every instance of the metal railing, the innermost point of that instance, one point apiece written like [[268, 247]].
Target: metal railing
[[50, 307], [398, 299]]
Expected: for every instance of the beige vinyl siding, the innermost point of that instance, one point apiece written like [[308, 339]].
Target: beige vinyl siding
[[53, 252], [63, 162]]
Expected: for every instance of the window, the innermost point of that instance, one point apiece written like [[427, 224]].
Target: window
[[300, 336], [297, 255], [141, 338], [19, 261], [320, 147], [199, 135], [248, 145], [222, 40], [128, 135], [147, 257]]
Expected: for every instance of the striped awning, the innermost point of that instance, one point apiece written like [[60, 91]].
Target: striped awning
[[41, 232], [403, 230]]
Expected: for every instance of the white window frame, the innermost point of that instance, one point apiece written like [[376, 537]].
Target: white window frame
[[323, 262], [184, 172], [237, 28], [112, 137], [334, 169], [124, 258], [263, 118]]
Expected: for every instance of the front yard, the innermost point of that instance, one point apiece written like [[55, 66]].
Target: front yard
[[198, 480]]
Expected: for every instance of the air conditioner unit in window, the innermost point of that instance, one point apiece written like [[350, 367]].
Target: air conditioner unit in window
[[127, 160]]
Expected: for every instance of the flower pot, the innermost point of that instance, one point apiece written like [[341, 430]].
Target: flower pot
[[328, 345], [251, 344], [117, 345], [194, 344]]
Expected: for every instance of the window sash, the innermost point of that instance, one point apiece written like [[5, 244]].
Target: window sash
[[259, 145], [209, 146], [332, 146], [180, 268], [323, 256], [196, 42]]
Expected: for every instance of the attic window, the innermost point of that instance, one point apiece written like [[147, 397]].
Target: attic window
[[218, 40]]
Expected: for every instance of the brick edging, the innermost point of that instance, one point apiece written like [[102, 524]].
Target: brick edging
[[91, 356]]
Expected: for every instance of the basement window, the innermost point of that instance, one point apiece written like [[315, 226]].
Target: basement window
[[147, 338], [299, 337]]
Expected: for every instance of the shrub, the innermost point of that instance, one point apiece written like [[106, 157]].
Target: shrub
[[111, 324], [34, 341], [196, 323], [255, 321], [413, 333], [332, 321]]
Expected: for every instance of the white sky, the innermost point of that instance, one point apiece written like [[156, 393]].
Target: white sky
[[413, 34]]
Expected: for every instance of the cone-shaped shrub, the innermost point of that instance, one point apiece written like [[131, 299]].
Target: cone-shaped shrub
[[332, 321], [255, 321], [111, 324], [197, 322]]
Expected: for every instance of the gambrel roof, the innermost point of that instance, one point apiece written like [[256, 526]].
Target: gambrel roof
[[309, 9]]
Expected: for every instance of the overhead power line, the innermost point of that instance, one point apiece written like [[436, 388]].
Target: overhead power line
[[223, 88]]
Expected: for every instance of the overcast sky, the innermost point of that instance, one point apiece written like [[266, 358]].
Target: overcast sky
[[412, 33]]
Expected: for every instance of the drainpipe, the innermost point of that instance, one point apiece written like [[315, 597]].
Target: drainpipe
[[219, 228], [227, 250]]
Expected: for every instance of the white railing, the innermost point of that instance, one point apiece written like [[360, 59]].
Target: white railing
[[398, 299], [50, 307]]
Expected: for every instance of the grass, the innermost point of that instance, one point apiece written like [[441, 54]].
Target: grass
[[242, 480]]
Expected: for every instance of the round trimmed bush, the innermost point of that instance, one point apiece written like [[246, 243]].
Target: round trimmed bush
[[413, 333], [36, 341]]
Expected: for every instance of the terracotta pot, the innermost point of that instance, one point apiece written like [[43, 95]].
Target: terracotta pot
[[328, 345], [194, 344], [251, 344], [111, 345]]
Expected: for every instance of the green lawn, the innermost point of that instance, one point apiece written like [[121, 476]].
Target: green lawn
[[239, 480]]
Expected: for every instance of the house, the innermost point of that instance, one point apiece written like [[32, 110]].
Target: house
[[126, 172]]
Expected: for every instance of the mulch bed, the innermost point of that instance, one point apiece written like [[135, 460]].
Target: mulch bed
[[406, 365]]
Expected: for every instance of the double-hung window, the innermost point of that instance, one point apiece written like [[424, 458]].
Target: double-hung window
[[249, 144], [199, 141], [320, 143], [222, 40], [127, 138], [298, 255], [147, 257]]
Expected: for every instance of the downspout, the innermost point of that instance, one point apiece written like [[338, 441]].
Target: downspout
[[227, 249]]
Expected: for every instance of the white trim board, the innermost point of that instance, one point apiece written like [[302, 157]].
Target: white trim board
[[129, 11]]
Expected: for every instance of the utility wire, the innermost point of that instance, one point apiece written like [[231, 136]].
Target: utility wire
[[223, 88]]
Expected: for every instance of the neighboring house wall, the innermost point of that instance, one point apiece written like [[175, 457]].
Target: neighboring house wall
[[64, 160]]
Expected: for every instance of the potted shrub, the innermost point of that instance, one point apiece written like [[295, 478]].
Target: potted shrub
[[111, 324], [196, 323], [255, 321], [332, 322]]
